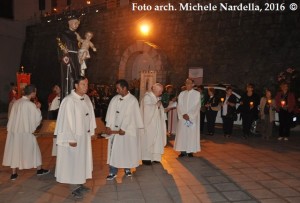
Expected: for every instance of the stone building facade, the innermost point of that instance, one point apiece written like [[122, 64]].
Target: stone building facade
[[232, 47]]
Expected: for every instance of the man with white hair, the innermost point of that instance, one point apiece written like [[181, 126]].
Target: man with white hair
[[153, 136], [187, 139]]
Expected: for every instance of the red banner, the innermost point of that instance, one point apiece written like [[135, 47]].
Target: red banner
[[23, 79]]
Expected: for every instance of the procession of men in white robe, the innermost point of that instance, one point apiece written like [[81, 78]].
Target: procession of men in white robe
[[134, 133]]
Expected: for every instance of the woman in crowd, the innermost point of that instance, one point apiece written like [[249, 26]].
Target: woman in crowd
[[285, 106], [228, 111], [249, 109], [212, 106], [267, 114]]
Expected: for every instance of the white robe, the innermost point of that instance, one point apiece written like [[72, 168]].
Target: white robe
[[153, 136], [55, 104], [75, 123], [21, 148], [172, 118], [124, 113], [188, 138]]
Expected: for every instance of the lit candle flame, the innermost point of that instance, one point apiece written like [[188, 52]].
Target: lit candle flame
[[251, 103], [282, 103], [269, 101], [222, 99]]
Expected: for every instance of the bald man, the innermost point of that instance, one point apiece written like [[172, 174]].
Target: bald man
[[153, 136]]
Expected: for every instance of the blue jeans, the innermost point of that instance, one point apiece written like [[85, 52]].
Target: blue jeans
[[114, 170]]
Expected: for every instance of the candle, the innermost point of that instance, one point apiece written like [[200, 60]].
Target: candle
[[282, 103], [251, 103], [269, 101], [222, 99]]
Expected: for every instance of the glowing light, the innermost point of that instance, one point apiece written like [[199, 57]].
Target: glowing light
[[88, 2], [145, 29], [54, 9], [97, 11]]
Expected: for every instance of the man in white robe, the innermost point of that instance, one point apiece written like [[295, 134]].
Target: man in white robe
[[123, 120], [187, 139], [153, 136], [21, 148], [75, 126]]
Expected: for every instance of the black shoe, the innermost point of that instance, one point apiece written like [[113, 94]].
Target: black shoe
[[146, 162], [77, 194], [14, 176], [42, 172], [181, 155], [111, 176], [84, 188], [190, 155], [128, 173]]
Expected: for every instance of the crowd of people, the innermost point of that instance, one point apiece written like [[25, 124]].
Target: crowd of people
[[136, 131]]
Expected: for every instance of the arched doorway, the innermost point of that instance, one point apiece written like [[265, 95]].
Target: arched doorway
[[143, 56]]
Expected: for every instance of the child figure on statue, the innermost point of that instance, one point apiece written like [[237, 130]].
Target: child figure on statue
[[83, 52]]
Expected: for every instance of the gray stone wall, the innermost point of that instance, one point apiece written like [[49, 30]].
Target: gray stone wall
[[232, 47]]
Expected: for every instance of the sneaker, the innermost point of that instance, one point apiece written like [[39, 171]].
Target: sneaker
[[14, 176], [77, 194], [83, 188], [42, 172], [280, 138], [128, 173], [111, 176], [286, 139]]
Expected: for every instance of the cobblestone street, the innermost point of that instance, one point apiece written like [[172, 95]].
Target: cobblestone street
[[226, 170]]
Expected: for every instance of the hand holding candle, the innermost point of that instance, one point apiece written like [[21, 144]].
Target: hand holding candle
[[251, 104], [270, 102]]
